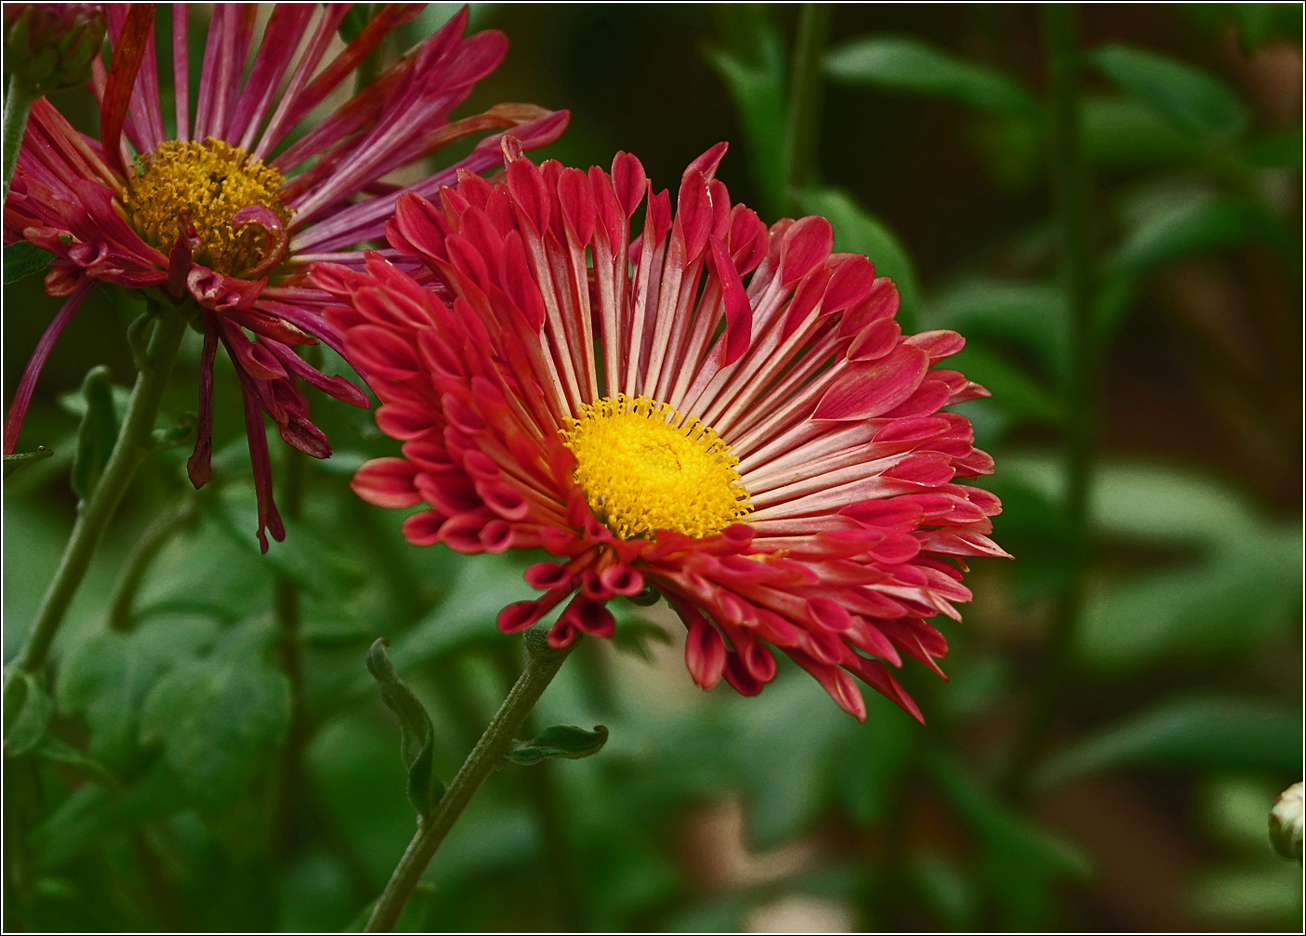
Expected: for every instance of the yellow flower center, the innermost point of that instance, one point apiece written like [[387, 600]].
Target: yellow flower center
[[645, 468], [212, 181]]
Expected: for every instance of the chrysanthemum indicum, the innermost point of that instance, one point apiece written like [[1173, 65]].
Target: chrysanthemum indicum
[[224, 217], [726, 413]]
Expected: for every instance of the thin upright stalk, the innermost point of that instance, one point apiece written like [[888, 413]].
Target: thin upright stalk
[[805, 99], [19, 98], [94, 513], [1073, 225], [542, 664], [286, 600]]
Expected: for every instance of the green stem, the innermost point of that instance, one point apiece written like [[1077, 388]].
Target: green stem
[[286, 600], [542, 664], [155, 537], [1073, 224], [94, 513], [805, 100], [19, 98]]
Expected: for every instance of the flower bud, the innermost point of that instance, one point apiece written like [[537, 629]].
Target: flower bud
[[1286, 823], [52, 44]]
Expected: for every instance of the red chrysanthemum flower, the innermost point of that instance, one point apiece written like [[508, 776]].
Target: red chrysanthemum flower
[[754, 437], [226, 216]]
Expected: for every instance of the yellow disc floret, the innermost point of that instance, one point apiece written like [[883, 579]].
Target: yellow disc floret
[[645, 468], [211, 181]]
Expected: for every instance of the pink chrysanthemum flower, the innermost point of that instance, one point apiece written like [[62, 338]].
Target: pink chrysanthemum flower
[[226, 217], [754, 437]]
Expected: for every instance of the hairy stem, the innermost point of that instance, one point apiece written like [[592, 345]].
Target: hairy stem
[[542, 664], [19, 98], [1073, 224], [94, 513], [805, 99]]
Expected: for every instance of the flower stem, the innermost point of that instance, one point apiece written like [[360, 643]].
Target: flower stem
[[290, 792], [94, 513], [19, 98], [805, 99], [1073, 224], [542, 664]]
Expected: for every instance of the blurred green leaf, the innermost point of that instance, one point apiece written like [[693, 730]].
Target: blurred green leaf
[[857, 230], [1242, 585], [1021, 396], [1123, 132], [1021, 862], [28, 709], [1268, 896], [1257, 23], [1191, 99], [218, 717], [1276, 151], [105, 680], [1200, 225], [55, 749], [1200, 732], [1031, 315], [755, 74], [907, 64], [565, 741], [947, 891], [424, 788], [358, 16], [23, 258], [97, 434], [16, 461]]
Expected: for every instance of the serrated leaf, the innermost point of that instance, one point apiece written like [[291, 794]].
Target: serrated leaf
[[28, 708], [97, 434], [907, 64], [857, 230], [18, 460], [416, 734], [22, 259], [566, 741], [217, 718], [1195, 732], [1191, 99]]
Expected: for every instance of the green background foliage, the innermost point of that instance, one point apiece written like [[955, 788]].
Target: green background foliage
[[188, 766]]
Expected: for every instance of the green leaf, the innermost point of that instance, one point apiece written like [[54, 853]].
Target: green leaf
[[28, 708], [1030, 315], [97, 434], [906, 64], [359, 15], [217, 718], [55, 749], [16, 461], [23, 258], [1196, 732], [1236, 580], [1021, 862], [105, 680], [759, 88], [416, 734], [1123, 132], [1276, 151], [558, 741], [1191, 99], [856, 230]]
